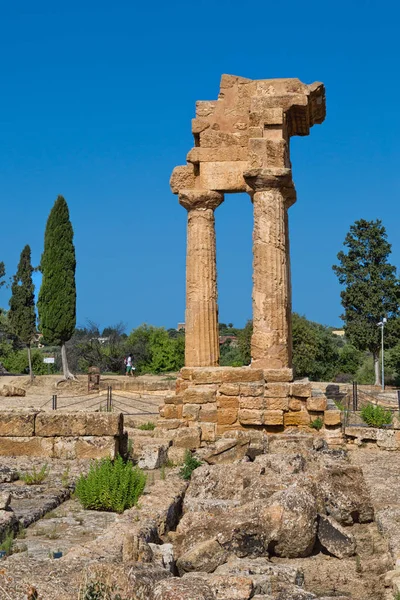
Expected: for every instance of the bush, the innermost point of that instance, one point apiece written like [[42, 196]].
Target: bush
[[7, 542], [317, 423], [111, 486], [190, 463], [375, 415], [35, 477], [149, 426]]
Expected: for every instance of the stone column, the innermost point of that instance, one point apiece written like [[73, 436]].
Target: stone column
[[271, 344], [201, 320]]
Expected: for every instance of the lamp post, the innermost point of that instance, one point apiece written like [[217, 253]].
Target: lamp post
[[382, 324]]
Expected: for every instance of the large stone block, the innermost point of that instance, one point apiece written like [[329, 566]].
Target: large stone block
[[251, 417], [278, 375], [316, 403], [252, 389], [277, 403], [229, 389], [273, 417], [208, 413], [199, 394], [228, 401], [168, 424], [26, 446], [51, 424], [174, 398], [171, 411], [295, 404], [299, 418], [252, 403], [276, 390], [187, 437], [202, 375], [191, 412], [208, 432], [227, 416], [300, 389], [85, 447], [17, 424], [332, 417]]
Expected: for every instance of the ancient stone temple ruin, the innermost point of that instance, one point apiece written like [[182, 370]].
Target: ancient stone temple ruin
[[241, 144]]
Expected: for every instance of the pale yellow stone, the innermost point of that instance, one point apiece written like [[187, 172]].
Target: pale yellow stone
[[316, 403], [26, 446], [50, 424], [278, 375], [227, 402], [249, 402], [302, 390], [229, 389], [208, 432], [70, 448], [252, 389], [332, 417], [199, 394], [17, 423], [273, 417], [277, 403], [227, 416], [276, 390], [191, 412], [250, 417], [208, 413], [296, 419], [295, 404]]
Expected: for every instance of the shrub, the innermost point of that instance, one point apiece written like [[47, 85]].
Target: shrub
[[375, 415], [35, 477], [317, 423], [7, 542], [147, 426], [190, 463], [111, 486]]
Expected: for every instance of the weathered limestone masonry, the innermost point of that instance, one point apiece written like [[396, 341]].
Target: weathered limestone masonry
[[60, 435], [242, 145], [211, 401]]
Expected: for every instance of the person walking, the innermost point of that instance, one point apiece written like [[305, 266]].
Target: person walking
[[128, 364]]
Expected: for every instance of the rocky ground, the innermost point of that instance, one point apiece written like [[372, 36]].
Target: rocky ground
[[296, 521]]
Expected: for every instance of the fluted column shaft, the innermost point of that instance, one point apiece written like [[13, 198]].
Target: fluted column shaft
[[201, 320]]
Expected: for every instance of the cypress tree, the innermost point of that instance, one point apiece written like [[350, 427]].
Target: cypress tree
[[371, 288], [57, 297], [22, 303]]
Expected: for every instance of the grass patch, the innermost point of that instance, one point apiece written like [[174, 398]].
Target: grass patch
[[317, 424], [110, 486], [147, 426], [376, 416], [190, 463], [35, 477], [7, 543]]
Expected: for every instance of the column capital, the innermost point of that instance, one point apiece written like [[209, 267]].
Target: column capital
[[260, 180], [200, 199]]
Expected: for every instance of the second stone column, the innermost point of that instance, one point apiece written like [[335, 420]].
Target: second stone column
[[201, 320]]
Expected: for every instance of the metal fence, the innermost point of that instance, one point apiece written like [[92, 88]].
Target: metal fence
[[112, 402], [357, 398]]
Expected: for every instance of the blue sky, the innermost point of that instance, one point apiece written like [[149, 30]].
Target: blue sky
[[96, 104]]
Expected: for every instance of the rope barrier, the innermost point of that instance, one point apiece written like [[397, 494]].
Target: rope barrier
[[129, 406]]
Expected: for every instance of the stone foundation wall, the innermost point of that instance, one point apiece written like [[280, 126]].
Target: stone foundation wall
[[219, 399], [60, 435]]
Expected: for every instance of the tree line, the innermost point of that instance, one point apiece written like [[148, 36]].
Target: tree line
[[370, 292]]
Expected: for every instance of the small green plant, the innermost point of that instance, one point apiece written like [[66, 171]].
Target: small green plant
[[317, 423], [162, 473], [7, 542], [21, 535], [53, 534], [397, 596], [130, 448], [149, 426], [375, 415], [35, 477], [190, 463], [52, 515], [65, 477], [113, 486]]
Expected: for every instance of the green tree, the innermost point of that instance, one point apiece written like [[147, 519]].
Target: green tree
[[315, 350], [244, 342], [2, 274], [22, 303], [371, 288], [57, 297]]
